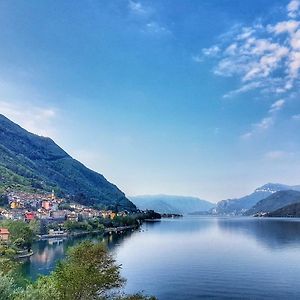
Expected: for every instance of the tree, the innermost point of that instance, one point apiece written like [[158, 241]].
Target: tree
[[87, 273], [43, 227], [7, 287], [44, 288], [19, 229], [3, 200], [19, 243], [35, 226]]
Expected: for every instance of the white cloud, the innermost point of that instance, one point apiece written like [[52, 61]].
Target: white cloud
[[38, 120], [294, 64], [137, 8], [156, 28], [231, 49], [295, 40], [147, 18], [264, 57], [245, 88], [276, 106], [245, 33], [229, 66], [266, 122], [286, 26], [212, 51], [293, 8], [259, 127]]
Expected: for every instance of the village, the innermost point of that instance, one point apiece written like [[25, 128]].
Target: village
[[27, 207], [57, 216]]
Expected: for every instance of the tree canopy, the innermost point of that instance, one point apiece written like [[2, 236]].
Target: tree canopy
[[89, 272]]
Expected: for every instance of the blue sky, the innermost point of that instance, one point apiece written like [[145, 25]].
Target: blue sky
[[177, 97]]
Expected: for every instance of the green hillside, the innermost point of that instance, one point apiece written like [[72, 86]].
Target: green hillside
[[29, 162]]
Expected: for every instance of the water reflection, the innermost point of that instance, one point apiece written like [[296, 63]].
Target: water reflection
[[199, 258], [48, 252], [271, 233], [180, 225]]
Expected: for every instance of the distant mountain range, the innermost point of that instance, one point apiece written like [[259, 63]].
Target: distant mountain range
[[275, 202], [171, 204], [265, 199], [31, 163], [240, 205]]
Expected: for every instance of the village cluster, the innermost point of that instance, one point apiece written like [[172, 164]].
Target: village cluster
[[48, 207]]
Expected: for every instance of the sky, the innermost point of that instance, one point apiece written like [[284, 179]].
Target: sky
[[189, 97]]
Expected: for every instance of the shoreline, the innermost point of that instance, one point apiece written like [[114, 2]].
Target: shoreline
[[21, 256], [83, 233]]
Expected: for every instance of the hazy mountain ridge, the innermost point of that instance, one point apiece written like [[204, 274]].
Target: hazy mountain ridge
[[241, 205], [29, 162], [275, 202], [171, 204], [292, 210]]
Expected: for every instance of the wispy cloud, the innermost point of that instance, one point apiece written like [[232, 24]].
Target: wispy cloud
[[38, 120], [264, 57], [156, 28], [266, 122], [212, 51], [245, 88], [138, 8], [276, 106], [148, 17], [293, 8], [20, 102]]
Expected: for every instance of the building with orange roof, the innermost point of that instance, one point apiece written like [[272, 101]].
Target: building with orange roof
[[4, 234]]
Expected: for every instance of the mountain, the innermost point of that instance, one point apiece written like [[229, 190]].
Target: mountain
[[240, 205], [274, 202], [30, 162], [171, 204], [292, 210]]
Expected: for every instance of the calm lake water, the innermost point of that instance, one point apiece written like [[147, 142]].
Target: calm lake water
[[201, 258]]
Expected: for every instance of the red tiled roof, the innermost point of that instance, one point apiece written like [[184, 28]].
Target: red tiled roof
[[4, 231]]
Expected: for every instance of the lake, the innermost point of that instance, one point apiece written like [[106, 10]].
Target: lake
[[200, 258]]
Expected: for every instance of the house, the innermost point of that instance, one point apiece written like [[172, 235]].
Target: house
[[72, 217], [46, 205], [122, 213], [4, 234], [108, 214], [112, 215], [15, 205], [29, 216]]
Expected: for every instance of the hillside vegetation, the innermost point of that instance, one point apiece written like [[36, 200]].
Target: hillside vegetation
[[33, 163], [292, 210]]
